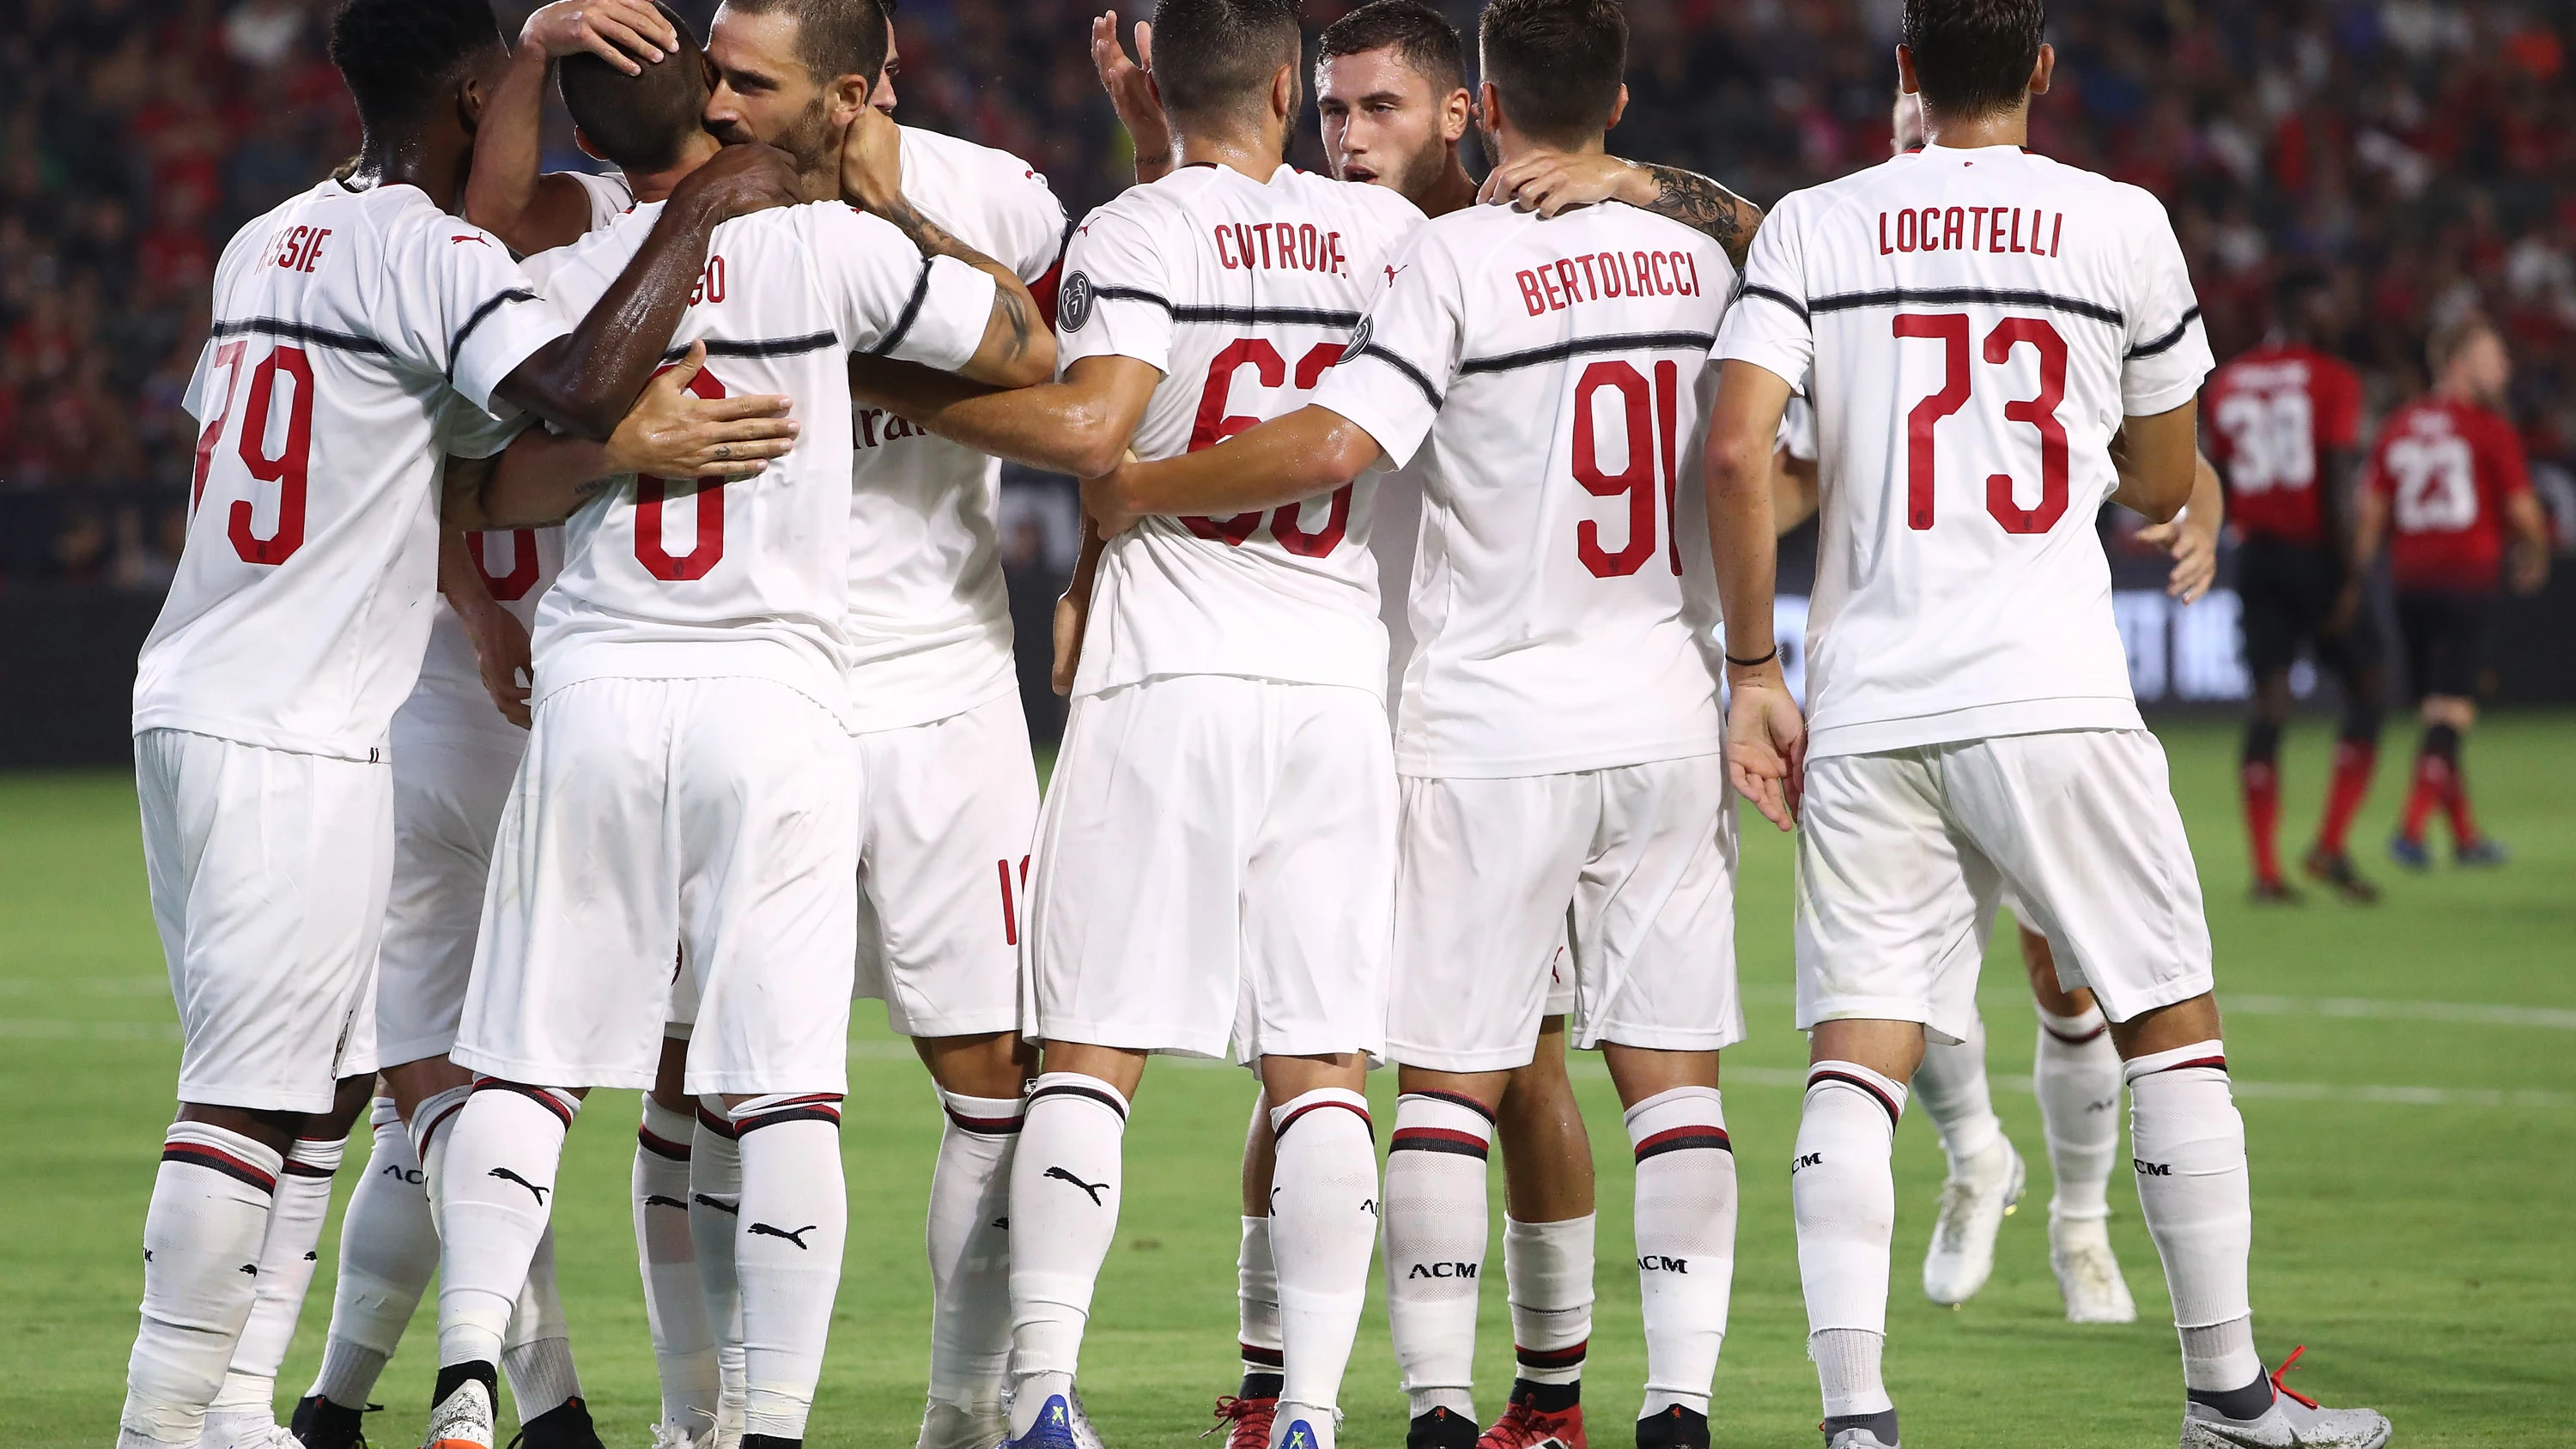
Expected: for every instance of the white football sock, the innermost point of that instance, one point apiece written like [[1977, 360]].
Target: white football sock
[[1685, 1216], [675, 1306], [1437, 1221], [495, 1186], [787, 1254], [431, 1117], [388, 1252], [1547, 1272], [1843, 1191], [715, 1200], [1065, 1187], [969, 1239], [536, 1357], [2076, 1075], [1951, 1085], [202, 1238], [1256, 1301], [2197, 1198], [1323, 1228], [287, 1258]]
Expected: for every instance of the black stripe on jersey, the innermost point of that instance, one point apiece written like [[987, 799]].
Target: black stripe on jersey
[[911, 310], [763, 346], [2167, 342], [1967, 296], [1240, 316], [1580, 346], [1769, 294], [284, 330], [1412, 374], [515, 294]]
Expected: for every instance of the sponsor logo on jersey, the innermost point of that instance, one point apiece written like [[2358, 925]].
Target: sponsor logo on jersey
[[1073, 301]]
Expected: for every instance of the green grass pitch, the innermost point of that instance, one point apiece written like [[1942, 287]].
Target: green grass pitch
[[2418, 1241]]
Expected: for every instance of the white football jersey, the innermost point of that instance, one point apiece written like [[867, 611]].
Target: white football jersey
[[518, 566], [1562, 597], [930, 621], [673, 580], [1978, 323], [1242, 292], [609, 193], [356, 340]]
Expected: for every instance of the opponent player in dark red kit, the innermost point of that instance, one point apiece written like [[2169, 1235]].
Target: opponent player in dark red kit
[[2449, 487], [2284, 425]]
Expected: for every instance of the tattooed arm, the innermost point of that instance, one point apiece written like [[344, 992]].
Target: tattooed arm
[[1549, 182], [1018, 348]]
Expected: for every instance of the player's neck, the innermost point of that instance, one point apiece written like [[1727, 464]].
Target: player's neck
[[651, 186], [1510, 145], [1256, 153], [2458, 392], [1455, 190], [411, 160], [2001, 128]]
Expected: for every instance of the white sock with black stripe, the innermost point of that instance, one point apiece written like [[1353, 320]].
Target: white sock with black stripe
[[675, 1306], [1323, 1228], [1437, 1223], [787, 1252], [969, 1239], [1685, 1218], [1065, 1188], [495, 1191], [202, 1237], [1843, 1190]]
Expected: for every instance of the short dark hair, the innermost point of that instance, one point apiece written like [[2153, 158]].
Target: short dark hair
[[1213, 57], [398, 55], [833, 37], [1557, 63], [1974, 57], [638, 122], [1420, 36]]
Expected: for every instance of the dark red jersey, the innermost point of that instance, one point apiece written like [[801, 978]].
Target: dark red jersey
[[2274, 414], [2446, 469]]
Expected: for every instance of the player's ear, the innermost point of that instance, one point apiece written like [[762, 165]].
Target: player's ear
[[1457, 113], [1489, 109], [1905, 82], [1618, 108], [1283, 94], [469, 103], [2043, 69], [845, 97], [587, 149]]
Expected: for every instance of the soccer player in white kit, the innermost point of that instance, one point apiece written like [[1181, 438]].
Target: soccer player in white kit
[[360, 332], [1996, 344], [1559, 734], [692, 736]]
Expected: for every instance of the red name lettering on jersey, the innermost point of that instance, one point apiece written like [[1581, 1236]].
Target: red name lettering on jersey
[[872, 436], [1995, 229], [1280, 245], [298, 248], [1555, 286], [710, 286]]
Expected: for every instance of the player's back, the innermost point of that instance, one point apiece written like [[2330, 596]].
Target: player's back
[[1975, 326], [2446, 467], [930, 620], [349, 330], [2273, 416], [1242, 292]]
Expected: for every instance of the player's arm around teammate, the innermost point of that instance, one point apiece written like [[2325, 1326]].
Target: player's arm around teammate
[[506, 194]]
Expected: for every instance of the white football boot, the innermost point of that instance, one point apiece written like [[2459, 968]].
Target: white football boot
[[462, 1420], [1979, 1195], [2294, 1421], [2088, 1273]]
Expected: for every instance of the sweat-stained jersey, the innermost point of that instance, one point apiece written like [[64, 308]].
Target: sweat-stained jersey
[[1562, 600], [2272, 416], [356, 340], [1978, 324], [1242, 292], [2446, 469], [674, 580], [930, 622]]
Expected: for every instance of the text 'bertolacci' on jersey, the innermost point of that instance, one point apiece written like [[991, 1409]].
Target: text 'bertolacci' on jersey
[[671, 579], [930, 620], [1562, 601], [1978, 323], [2272, 416], [356, 340], [1242, 292]]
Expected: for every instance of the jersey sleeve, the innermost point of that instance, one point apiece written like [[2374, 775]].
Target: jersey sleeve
[[1798, 429], [1404, 354], [2168, 353], [1767, 323], [1028, 220], [887, 300], [1116, 296], [466, 311]]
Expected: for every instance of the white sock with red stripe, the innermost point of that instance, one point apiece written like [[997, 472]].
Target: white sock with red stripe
[[2076, 1075], [287, 1257], [1547, 1272], [1685, 1216], [202, 1237], [1256, 1303], [1842, 1188], [431, 1117], [1323, 1228], [536, 1357], [970, 1250], [388, 1253], [715, 1201], [1437, 1222], [1951, 1086], [675, 1306], [494, 1188], [2197, 1198], [787, 1252], [1065, 1187]]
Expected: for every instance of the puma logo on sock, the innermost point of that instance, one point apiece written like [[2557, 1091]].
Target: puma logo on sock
[[702, 1200], [657, 1200], [764, 1230], [1090, 1190], [506, 1175]]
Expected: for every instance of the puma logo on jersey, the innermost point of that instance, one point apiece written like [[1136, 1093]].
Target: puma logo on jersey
[[658, 1200], [1090, 1190], [764, 1230], [1392, 270], [506, 1175], [478, 241]]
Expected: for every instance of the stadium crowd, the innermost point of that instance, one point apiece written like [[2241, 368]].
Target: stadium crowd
[[2424, 153]]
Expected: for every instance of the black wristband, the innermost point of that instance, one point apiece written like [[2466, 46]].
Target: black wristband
[[1754, 663]]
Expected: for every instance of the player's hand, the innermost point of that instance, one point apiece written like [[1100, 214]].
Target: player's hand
[[628, 34], [672, 432], [737, 181], [872, 163], [2194, 550], [1130, 83], [501, 656], [1105, 498], [1550, 182], [2526, 570], [1766, 742]]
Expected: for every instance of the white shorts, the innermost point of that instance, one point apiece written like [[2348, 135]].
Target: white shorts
[[1215, 858], [1633, 868], [267, 872], [720, 813], [1902, 856], [946, 814], [453, 761]]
